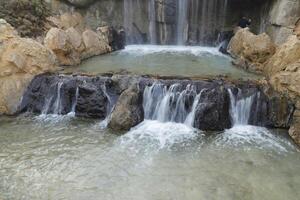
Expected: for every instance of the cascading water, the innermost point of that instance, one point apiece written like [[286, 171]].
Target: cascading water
[[152, 22], [182, 22], [240, 109], [57, 104], [178, 21], [73, 111], [171, 104]]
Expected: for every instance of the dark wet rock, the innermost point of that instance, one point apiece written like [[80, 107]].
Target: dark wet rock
[[128, 111], [94, 97], [53, 94], [213, 110]]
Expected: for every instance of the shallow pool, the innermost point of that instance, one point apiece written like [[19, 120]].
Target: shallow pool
[[165, 60]]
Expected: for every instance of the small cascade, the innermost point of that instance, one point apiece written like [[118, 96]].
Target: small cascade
[[191, 116], [46, 106], [240, 109], [57, 103], [73, 110], [173, 104], [109, 108]]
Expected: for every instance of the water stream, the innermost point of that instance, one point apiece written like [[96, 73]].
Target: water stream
[[70, 158]]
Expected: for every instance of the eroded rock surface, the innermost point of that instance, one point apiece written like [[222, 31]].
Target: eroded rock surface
[[251, 51], [20, 60], [72, 41]]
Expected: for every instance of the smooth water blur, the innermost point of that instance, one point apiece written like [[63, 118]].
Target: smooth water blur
[[165, 60], [55, 157]]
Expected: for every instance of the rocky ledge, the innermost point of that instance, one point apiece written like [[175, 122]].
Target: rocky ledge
[[127, 100]]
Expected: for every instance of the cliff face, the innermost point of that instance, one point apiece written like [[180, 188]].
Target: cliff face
[[172, 21], [282, 18]]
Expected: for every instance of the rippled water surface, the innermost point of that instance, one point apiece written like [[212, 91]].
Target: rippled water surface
[[165, 60], [51, 157]]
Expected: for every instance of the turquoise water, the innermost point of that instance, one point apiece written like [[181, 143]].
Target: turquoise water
[[165, 60]]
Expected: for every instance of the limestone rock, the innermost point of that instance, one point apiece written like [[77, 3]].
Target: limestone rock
[[128, 111], [20, 60], [287, 54], [297, 29], [295, 128], [93, 44], [61, 44], [253, 50]]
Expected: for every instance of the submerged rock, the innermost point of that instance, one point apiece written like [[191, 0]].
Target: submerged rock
[[128, 111]]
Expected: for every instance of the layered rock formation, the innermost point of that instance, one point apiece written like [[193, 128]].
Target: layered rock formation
[[20, 60]]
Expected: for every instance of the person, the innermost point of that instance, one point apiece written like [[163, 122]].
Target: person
[[244, 22]]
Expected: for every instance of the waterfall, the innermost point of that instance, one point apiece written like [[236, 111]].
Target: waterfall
[[152, 21], [182, 22], [109, 108], [191, 116], [171, 104], [240, 109], [176, 21], [73, 110], [128, 18], [57, 103]]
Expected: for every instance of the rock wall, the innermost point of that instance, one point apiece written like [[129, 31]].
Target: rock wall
[[282, 19]]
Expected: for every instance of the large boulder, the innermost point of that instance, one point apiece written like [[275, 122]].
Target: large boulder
[[72, 41], [61, 43], [20, 60], [251, 51], [128, 111], [94, 45]]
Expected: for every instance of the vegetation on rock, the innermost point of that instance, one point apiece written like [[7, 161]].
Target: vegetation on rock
[[27, 16]]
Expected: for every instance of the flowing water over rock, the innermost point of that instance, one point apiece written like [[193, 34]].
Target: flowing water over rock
[[57, 155], [176, 21]]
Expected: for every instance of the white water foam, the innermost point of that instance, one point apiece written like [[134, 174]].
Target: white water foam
[[253, 137], [159, 135], [140, 50]]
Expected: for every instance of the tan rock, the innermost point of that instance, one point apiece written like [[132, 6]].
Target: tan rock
[[75, 20], [297, 29], [60, 43], [20, 60], [75, 39], [253, 50], [295, 128], [94, 45], [287, 54]]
